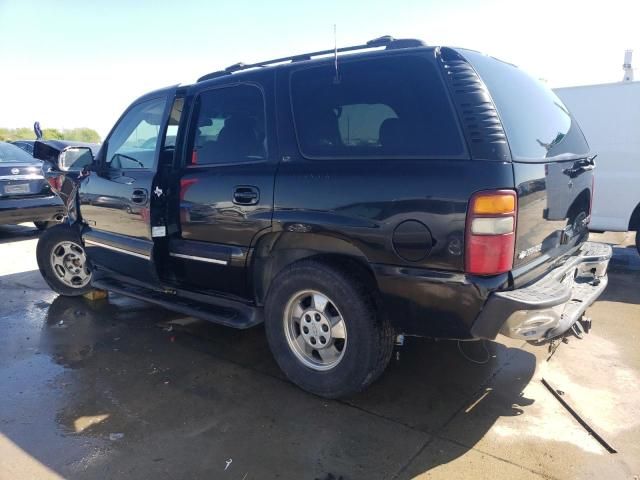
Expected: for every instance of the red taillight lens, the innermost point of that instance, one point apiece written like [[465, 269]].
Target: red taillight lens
[[55, 183], [185, 183], [490, 232]]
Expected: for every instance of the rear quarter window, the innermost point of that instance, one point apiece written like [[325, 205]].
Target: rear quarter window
[[375, 108], [537, 124]]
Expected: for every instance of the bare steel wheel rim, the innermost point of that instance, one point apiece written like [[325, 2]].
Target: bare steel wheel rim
[[69, 264], [315, 330]]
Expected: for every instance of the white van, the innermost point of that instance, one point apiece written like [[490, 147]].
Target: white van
[[609, 115]]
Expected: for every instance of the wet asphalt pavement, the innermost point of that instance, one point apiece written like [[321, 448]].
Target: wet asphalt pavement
[[119, 389]]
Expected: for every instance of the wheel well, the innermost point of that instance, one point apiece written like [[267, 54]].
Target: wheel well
[[272, 255], [634, 223]]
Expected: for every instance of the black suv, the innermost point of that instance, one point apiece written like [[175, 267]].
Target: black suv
[[342, 200]]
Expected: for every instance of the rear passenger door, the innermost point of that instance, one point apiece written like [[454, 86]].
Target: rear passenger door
[[225, 185]]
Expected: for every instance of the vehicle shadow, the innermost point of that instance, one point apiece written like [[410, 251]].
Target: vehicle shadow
[[622, 288], [140, 389], [12, 233]]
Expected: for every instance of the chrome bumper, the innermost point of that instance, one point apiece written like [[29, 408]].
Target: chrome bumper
[[550, 306]]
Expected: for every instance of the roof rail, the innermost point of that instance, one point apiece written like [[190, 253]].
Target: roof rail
[[386, 41]]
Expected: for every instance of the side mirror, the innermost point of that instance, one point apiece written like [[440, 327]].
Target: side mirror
[[75, 159]]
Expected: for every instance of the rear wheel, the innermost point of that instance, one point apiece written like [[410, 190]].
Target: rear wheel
[[325, 331], [62, 261]]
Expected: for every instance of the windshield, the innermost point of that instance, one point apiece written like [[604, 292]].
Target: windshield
[[538, 125], [11, 153]]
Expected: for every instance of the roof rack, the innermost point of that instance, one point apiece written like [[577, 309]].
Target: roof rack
[[386, 41]]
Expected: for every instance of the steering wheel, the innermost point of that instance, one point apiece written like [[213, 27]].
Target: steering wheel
[[117, 156]]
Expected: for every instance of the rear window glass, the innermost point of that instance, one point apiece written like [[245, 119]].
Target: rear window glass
[[538, 125], [385, 107], [11, 153]]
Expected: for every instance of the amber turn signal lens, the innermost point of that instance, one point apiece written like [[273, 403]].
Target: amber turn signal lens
[[494, 204]]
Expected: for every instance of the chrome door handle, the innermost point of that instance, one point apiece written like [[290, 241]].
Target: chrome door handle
[[140, 196], [246, 195]]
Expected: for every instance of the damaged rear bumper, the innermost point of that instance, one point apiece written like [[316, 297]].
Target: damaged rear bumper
[[549, 307], [31, 209]]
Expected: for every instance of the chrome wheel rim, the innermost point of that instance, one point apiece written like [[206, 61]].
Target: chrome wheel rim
[[315, 330], [69, 264]]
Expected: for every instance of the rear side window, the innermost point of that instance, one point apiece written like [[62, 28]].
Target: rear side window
[[538, 125], [385, 107], [230, 126]]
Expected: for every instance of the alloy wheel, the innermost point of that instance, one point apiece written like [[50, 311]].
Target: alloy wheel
[[69, 263], [315, 330]]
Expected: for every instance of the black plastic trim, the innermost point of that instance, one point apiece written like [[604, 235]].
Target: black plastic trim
[[217, 310], [480, 121]]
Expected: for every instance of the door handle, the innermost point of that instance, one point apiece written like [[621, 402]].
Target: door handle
[[246, 195], [580, 166], [575, 171], [140, 196]]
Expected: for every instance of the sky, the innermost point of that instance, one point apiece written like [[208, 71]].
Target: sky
[[71, 63]]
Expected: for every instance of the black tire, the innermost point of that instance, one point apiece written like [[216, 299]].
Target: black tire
[[46, 243], [370, 338], [43, 225]]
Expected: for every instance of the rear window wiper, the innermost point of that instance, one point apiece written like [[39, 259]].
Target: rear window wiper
[[580, 166]]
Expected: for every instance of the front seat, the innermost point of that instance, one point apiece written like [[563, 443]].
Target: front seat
[[238, 139], [204, 148]]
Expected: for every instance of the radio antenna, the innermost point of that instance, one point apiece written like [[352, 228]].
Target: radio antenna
[[335, 54]]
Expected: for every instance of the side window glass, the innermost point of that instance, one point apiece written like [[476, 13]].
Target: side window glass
[[360, 123], [133, 142], [385, 107], [230, 126]]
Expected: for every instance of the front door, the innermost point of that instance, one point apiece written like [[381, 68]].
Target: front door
[[117, 198], [226, 186]]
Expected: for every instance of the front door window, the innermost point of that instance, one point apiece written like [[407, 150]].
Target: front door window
[[132, 145]]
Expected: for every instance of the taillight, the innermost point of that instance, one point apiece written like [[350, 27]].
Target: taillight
[[55, 183], [490, 235]]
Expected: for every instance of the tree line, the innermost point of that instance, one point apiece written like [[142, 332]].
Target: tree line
[[76, 134]]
